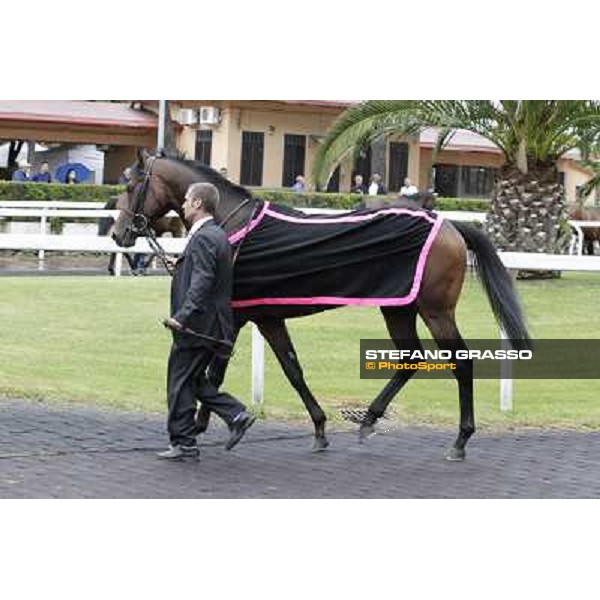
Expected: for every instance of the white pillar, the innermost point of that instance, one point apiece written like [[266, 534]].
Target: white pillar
[[258, 366], [118, 264], [162, 120]]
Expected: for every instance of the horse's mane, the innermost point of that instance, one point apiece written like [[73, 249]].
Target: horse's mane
[[210, 175]]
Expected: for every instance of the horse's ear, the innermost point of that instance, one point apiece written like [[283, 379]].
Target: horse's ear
[[122, 202], [142, 156]]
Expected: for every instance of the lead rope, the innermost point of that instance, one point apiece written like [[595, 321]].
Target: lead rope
[[158, 250]]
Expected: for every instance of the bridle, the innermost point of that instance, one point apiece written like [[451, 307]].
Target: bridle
[[140, 224]]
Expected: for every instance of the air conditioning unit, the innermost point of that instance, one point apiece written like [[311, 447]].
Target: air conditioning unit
[[188, 116], [209, 115]]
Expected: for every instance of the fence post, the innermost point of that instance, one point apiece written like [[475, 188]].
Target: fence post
[[118, 263], [42, 253], [506, 367], [506, 381], [258, 366]]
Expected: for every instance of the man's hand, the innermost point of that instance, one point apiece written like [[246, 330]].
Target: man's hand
[[171, 323]]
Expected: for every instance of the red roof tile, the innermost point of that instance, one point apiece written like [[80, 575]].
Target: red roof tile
[[77, 112], [322, 103]]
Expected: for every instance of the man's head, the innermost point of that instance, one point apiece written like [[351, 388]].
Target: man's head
[[24, 165], [376, 178], [44, 167], [300, 179], [127, 173], [201, 200], [407, 182], [358, 179]]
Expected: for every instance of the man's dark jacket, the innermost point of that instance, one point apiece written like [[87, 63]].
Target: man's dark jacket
[[201, 287]]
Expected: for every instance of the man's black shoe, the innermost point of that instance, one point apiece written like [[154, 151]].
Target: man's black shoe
[[180, 453], [238, 428]]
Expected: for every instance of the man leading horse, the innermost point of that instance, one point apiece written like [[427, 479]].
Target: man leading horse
[[202, 324]]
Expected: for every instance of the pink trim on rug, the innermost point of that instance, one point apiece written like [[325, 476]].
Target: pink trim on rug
[[350, 301], [241, 233], [351, 219]]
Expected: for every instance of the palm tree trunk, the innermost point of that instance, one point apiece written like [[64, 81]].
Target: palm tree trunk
[[528, 215]]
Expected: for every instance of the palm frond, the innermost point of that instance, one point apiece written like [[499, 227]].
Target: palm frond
[[524, 130]]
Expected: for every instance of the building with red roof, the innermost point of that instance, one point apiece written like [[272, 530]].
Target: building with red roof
[[264, 143]]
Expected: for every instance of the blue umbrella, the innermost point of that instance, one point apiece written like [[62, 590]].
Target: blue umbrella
[[82, 173]]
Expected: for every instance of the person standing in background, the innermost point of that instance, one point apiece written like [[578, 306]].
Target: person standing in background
[[300, 185], [376, 188], [408, 189], [71, 178], [359, 186], [23, 172], [125, 176], [44, 175]]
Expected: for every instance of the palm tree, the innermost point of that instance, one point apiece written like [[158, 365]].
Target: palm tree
[[527, 211]]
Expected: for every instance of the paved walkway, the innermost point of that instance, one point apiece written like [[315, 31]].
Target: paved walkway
[[76, 452]]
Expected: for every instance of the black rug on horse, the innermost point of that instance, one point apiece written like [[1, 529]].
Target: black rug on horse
[[367, 257]]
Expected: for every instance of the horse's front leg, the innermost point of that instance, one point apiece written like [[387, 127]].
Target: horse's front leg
[[278, 337]]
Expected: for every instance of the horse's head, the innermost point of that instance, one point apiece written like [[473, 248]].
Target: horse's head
[[147, 197]]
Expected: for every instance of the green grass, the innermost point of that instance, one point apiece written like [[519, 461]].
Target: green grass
[[98, 341]]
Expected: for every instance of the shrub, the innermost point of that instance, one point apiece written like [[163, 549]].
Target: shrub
[[11, 191], [348, 201], [101, 193]]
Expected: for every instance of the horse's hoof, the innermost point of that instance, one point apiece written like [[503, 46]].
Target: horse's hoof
[[456, 454], [320, 444], [365, 432]]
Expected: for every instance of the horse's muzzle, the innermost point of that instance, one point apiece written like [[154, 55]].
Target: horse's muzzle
[[126, 239]]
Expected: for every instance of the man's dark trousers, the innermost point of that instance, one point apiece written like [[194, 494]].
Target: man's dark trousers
[[187, 383]]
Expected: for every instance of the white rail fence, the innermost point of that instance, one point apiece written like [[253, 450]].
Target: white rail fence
[[88, 243]]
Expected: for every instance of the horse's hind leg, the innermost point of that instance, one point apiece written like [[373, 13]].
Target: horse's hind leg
[[401, 324], [278, 337], [442, 325]]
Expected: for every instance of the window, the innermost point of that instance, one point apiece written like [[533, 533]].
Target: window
[[333, 185], [476, 182], [203, 146], [446, 180], [253, 149], [454, 181], [398, 167], [294, 152], [362, 165]]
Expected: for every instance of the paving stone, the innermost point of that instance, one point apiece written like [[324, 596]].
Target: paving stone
[[81, 452]]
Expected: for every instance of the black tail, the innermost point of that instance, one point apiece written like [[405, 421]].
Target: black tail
[[498, 285]]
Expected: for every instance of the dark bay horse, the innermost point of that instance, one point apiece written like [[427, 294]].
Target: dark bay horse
[[159, 185]]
